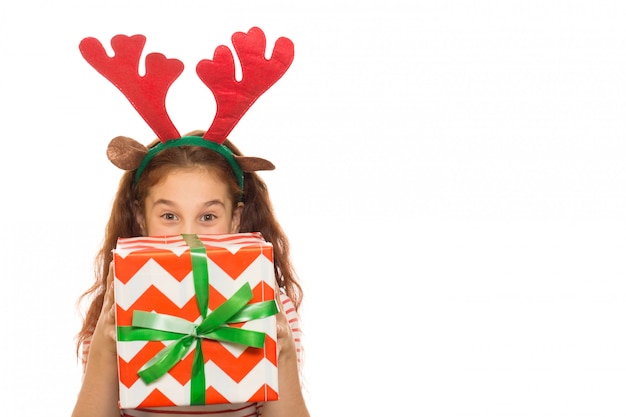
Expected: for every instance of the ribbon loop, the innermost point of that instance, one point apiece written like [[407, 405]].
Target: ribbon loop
[[158, 366], [162, 322], [224, 312]]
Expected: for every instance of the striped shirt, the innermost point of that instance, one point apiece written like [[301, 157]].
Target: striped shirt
[[217, 410]]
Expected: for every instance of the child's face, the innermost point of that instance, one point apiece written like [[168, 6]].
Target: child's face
[[191, 201]]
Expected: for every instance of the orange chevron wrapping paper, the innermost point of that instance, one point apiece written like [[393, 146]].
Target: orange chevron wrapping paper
[[155, 274]]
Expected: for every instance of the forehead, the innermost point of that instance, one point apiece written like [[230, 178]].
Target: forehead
[[199, 171], [198, 183]]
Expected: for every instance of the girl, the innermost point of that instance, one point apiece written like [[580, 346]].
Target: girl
[[191, 187]]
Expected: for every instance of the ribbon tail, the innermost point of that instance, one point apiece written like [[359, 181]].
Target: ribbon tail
[[200, 270], [244, 337], [198, 380], [255, 311], [131, 333], [163, 361]]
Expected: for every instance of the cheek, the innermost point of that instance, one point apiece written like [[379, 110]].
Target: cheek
[[152, 229], [229, 226], [234, 224], [140, 220]]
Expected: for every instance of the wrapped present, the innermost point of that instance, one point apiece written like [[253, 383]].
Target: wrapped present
[[195, 318]]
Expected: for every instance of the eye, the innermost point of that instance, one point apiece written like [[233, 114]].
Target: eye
[[168, 216], [208, 217]]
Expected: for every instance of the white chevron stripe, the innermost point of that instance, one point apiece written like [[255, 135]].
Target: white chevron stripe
[[234, 247], [153, 274], [261, 269], [133, 396], [128, 350], [264, 372], [266, 325], [235, 240]]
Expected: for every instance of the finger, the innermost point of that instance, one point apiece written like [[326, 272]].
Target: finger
[[110, 275], [281, 328], [286, 344], [281, 319], [109, 298], [279, 302], [105, 326]]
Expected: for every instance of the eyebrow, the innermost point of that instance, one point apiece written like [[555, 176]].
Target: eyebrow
[[170, 203]]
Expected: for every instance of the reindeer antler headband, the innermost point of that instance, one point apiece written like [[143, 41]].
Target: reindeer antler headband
[[147, 93]]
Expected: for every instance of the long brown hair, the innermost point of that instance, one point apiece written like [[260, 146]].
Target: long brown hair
[[257, 216]]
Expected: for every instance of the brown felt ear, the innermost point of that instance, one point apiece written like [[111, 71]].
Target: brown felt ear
[[126, 153], [252, 163]]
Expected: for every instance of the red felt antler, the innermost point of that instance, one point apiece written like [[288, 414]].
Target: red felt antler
[[146, 93], [234, 97]]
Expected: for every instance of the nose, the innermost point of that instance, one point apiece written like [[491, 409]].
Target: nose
[[187, 227]]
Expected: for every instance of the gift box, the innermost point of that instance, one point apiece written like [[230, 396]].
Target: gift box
[[195, 317]]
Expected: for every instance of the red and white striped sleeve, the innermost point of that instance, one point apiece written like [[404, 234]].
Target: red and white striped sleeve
[[84, 352], [293, 318]]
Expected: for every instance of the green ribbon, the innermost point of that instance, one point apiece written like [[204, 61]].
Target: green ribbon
[[157, 327]]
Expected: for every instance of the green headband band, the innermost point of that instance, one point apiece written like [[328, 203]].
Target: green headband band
[[192, 141]]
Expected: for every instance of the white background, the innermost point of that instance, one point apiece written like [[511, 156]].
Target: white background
[[451, 175]]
